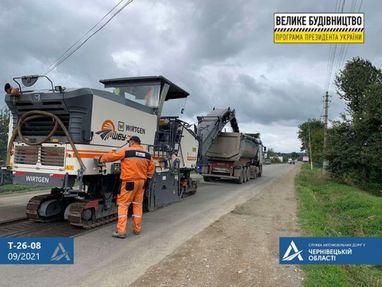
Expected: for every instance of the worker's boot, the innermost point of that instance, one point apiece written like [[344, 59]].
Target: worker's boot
[[118, 235], [136, 232]]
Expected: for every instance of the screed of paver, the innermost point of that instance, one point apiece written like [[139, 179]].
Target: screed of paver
[[240, 249]]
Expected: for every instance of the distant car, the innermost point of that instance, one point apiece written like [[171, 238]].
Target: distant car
[[290, 161], [267, 161]]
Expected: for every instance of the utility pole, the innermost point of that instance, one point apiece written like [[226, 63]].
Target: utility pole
[[310, 150], [326, 107]]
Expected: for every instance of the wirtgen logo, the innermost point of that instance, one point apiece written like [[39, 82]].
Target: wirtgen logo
[[108, 131], [296, 253], [108, 125]]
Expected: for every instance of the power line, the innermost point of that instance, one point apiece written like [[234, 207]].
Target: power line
[[343, 5], [345, 47], [352, 9], [63, 57], [91, 35], [337, 5], [84, 35], [337, 54], [331, 66], [360, 5], [341, 49], [334, 58], [353, 4], [344, 55]]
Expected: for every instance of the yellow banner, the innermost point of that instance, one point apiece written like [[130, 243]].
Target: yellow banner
[[322, 37]]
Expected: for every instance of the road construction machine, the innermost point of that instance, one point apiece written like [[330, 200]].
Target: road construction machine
[[57, 134], [228, 155]]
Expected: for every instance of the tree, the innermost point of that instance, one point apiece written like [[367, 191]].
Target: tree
[[355, 145], [271, 152], [368, 128], [316, 128], [295, 155], [354, 80], [343, 154], [4, 122]]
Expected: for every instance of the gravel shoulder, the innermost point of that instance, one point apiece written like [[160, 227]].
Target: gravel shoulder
[[239, 249]]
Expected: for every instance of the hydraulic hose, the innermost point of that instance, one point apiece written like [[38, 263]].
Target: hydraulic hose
[[31, 115]]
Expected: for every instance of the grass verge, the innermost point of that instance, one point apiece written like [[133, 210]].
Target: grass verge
[[18, 188], [328, 208]]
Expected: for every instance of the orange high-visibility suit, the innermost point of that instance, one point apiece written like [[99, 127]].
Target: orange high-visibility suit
[[136, 166], [14, 91]]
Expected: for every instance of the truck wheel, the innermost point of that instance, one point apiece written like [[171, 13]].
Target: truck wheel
[[206, 178], [248, 171], [240, 180], [260, 171]]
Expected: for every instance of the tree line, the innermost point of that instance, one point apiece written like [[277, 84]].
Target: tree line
[[4, 121], [354, 149]]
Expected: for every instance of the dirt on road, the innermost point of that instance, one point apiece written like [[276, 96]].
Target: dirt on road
[[240, 249]]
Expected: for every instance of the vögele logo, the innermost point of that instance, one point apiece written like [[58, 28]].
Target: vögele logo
[[296, 253]]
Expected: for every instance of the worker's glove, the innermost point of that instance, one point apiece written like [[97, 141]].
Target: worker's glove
[[97, 161]]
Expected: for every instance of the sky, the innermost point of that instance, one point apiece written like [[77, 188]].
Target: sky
[[220, 51]]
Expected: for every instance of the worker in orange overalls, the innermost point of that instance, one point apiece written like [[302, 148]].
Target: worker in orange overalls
[[137, 166]]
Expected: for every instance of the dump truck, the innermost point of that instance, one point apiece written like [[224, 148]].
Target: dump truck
[[234, 156], [228, 155]]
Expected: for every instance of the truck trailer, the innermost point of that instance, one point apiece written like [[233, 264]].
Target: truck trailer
[[234, 156], [228, 155]]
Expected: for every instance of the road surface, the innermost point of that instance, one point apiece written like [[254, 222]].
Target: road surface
[[101, 260], [12, 205]]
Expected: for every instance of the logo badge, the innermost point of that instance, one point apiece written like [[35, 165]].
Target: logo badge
[[108, 130], [121, 126], [117, 132], [60, 253], [36, 98], [296, 253]]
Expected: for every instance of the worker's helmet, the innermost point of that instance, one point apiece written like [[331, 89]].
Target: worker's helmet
[[136, 139], [7, 87]]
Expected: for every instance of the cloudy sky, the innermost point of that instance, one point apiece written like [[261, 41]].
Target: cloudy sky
[[221, 51]]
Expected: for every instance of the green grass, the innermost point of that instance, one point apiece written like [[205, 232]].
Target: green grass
[[17, 188], [328, 208]]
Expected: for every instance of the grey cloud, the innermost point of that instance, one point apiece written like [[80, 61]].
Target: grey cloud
[[258, 100], [222, 52]]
